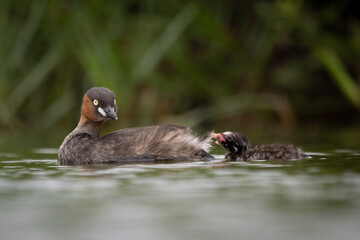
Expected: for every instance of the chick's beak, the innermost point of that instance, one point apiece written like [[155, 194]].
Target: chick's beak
[[110, 112], [219, 137]]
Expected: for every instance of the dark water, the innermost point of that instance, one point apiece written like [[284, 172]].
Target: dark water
[[317, 198]]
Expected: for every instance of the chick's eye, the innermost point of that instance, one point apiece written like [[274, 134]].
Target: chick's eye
[[228, 137], [114, 101], [96, 102]]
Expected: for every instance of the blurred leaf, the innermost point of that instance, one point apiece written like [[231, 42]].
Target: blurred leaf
[[35, 77], [58, 109], [237, 104], [28, 32], [336, 69], [161, 45]]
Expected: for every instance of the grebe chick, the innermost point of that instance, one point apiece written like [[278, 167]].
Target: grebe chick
[[239, 148]]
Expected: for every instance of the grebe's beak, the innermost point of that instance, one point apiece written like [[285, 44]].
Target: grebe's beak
[[110, 112], [219, 137]]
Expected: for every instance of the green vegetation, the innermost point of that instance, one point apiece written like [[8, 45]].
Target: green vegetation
[[207, 64]]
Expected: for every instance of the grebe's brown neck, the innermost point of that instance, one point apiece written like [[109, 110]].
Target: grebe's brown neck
[[89, 122]]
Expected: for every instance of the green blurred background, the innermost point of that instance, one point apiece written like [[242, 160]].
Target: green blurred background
[[271, 69]]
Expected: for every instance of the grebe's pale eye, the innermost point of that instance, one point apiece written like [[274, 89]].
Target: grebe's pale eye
[[114, 101], [96, 102]]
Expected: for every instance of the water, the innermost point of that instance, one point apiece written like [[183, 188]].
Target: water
[[317, 198]]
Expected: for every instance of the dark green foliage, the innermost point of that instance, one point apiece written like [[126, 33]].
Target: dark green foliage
[[208, 63]]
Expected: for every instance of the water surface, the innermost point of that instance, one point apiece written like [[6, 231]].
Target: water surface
[[317, 198]]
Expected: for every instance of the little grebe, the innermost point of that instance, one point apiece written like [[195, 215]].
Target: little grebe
[[239, 148], [142, 144]]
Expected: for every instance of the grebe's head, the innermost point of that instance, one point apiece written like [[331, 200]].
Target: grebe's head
[[232, 142], [99, 104]]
